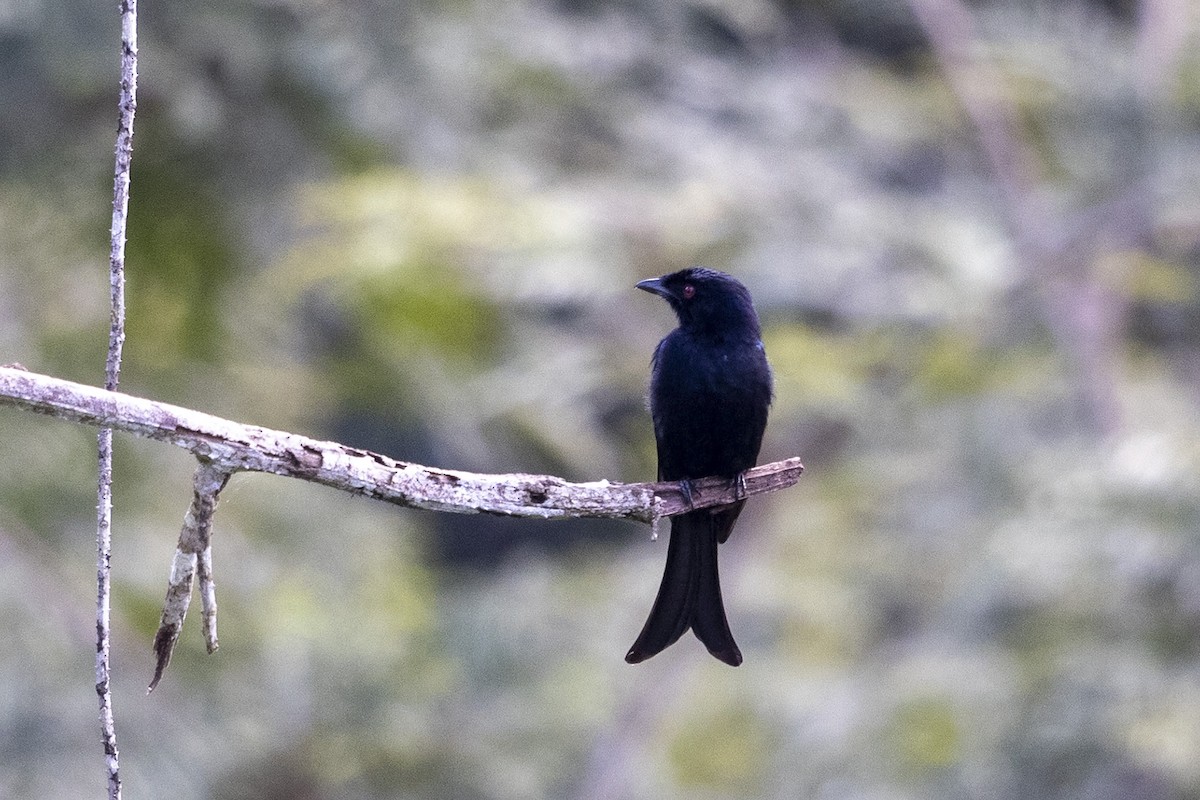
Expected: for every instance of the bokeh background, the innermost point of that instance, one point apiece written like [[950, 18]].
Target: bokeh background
[[972, 229]]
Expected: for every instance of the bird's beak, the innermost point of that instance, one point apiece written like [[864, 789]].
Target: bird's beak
[[654, 286]]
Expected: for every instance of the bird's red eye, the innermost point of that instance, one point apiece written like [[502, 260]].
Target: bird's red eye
[[689, 291]]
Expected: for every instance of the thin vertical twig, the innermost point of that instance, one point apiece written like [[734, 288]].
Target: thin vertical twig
[[116, 342]]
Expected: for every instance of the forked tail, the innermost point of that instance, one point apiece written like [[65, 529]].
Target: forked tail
[[690, 593]]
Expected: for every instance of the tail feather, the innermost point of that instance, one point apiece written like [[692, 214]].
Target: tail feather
[[690, 593], [708, 613], [671, 613]]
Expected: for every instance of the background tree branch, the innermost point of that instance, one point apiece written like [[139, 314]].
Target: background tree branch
[[1080, 308]]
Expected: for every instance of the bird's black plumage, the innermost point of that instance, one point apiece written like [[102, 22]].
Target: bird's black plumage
[[710, 388]]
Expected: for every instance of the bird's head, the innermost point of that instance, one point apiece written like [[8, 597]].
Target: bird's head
[[707, 301]]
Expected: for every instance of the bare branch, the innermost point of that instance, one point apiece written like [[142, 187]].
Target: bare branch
[[208, 596], [193, 556], [112, 370], [108, 734], [224, 447], [234, 447]]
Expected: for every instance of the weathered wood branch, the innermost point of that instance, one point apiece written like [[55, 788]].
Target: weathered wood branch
[[233, 447], [193, 560], [224, 447]]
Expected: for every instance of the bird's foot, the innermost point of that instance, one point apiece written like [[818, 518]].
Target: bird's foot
[[685, 486], [738, 484]]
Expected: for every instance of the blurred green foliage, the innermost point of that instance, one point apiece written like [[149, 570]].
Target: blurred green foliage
[[179, 226]]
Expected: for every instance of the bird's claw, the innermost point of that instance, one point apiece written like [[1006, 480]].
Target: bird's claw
[[739, 486], [685, 486]]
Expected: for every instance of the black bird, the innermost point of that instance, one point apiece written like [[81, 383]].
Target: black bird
[[710, 387]]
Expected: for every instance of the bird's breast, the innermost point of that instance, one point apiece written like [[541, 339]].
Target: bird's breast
[[709, 405]]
